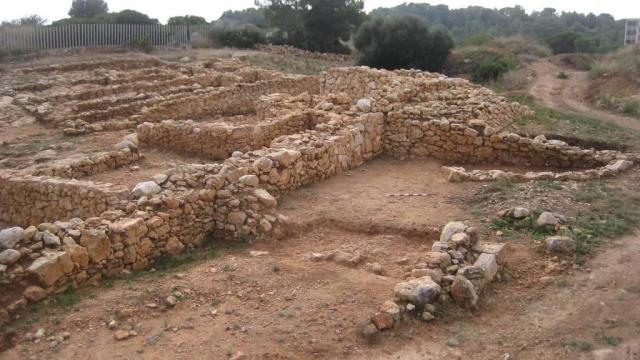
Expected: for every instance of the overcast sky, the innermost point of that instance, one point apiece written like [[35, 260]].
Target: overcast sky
[[212, 9]]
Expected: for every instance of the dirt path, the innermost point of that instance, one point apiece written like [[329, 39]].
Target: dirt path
[[568, 94]]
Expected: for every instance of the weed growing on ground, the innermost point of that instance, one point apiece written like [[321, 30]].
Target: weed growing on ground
[[611, 212], [67, 298], [550, 185], [582, 345], [608, 339], [562, 75], [547, 120]]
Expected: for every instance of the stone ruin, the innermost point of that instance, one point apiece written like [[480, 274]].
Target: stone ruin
[[263, 134]]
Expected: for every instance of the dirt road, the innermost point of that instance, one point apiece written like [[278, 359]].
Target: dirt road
[[568, 94]]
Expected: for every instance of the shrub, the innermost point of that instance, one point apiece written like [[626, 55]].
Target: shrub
[[142, 44], [511, 81], [631, 107], [477, 40], [562, 75], [246, 37], [492, 69], [402, 42]]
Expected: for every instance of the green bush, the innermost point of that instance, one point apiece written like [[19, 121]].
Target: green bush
[[246, 37], [492, 69], [142, 44], [402, 43], [631, 107]]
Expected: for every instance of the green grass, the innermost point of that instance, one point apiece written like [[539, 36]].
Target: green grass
[[581, 345], [550, 185], [167, 263], [562, 75], [631, 107], [67, 299], [526, 225], [608, 339], [612, 212], [547, 120]]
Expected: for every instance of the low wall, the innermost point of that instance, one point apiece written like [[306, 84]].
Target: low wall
[[224, 200], [459, 143], [26, 200], [294, 51], [217, 141], [235, 100], [90, 165]]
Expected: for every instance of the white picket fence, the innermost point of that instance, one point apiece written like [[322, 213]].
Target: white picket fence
[[25, 38]]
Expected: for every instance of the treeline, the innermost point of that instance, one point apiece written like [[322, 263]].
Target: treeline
[[565, 32], [340, 25]]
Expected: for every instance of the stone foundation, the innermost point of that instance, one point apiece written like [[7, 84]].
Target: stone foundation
[[320, 127]]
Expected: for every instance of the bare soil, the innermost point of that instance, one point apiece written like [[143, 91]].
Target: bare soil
[[569, 94], [283, 305]]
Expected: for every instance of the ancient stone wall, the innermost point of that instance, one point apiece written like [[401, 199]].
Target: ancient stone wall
[[409, 136], [180, 209], [26, 200], [235, 100], [90, 165], [218, 140], [338, 122], [294, 51]]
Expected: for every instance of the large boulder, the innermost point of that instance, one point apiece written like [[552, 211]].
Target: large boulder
[[419, 292], [146, 188], [463, 292], [489, 265], [285, 157], [450, 229], [174, 246], [547, 219], [364, 105], [51, 267], [9, 256], [97, 244], [560, 245], [265, 198], [10, 237]]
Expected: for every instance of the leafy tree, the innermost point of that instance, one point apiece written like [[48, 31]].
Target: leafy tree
[[122, 17], [317, 25], [132, 17], [402, 42], [563, 43], [88, 8], [187, 20], [239, 37], [596, 33], [31, 20], [251, 16]]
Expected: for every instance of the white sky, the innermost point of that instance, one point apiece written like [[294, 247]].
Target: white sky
[[212, 9]]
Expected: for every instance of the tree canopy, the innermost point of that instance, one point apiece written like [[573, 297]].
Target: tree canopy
[[31, 20], [561, 31], [305, 23], [187, 20], [88, 8], [122, 17], [402, 42], [251, 16]]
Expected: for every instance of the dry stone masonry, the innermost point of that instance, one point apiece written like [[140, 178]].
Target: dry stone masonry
[[262, 134], [457, 269]]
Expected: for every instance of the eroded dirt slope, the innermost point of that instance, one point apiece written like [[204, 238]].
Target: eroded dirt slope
[[568, 94]]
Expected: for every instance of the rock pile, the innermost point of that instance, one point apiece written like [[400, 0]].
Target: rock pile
[[458, 268]]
